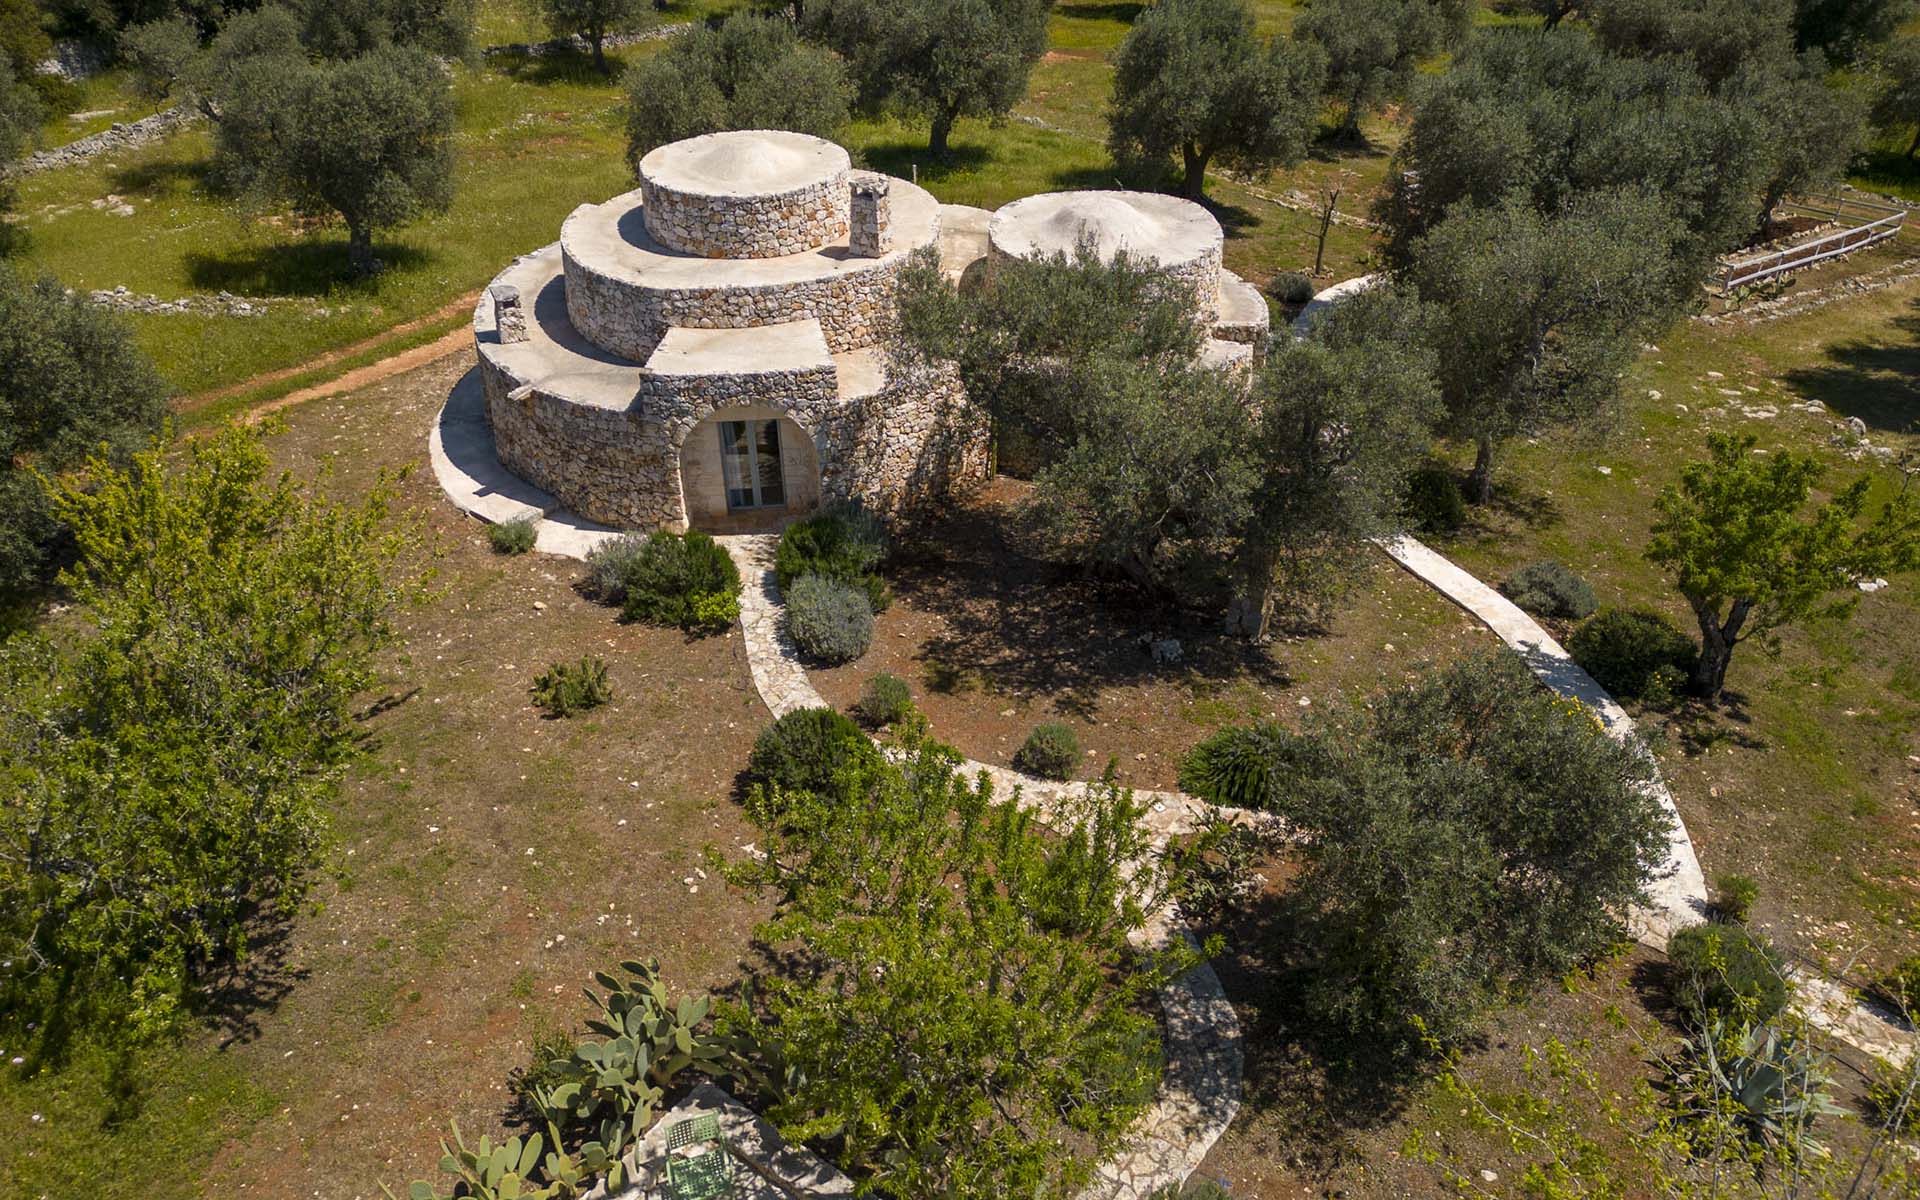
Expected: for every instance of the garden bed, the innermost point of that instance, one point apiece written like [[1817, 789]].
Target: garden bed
[[993, 639]]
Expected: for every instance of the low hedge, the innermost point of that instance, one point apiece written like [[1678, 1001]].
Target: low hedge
[[1634, 653], [804, 750], [684, 580], [845, 544], [829, 620]]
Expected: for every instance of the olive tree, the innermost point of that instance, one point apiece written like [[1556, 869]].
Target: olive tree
[[1896, 101], [158, 54], [1847, 30], [1538, 316], [943, 59], [20, 113], [72, 384], [1467, 837], [1193, 81], [1749, 559], [753, 72], [1373, 47], [369, 139], [346, 28], [594, 20]]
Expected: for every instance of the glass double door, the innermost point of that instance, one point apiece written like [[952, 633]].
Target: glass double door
[[750, 463]]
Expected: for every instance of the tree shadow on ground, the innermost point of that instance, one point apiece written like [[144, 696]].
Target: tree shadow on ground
[[305, 268], [1877, 382], [571, 66], [1017, 624], [234, 994], [1079, 10], [158, 176], [901, 159], [1334, 144], [1319, 1086], [1514, 500]]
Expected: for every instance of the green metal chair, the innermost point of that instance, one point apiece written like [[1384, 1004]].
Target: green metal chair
[[698, 1165]]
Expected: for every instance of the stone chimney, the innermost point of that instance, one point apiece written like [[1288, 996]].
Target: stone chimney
[[508, 317], [869, 235]]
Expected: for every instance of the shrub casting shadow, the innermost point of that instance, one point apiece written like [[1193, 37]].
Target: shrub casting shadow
[[1877, 383], [305, 268], [1049, 630]]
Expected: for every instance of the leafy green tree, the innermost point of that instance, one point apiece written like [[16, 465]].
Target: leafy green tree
[[23, 34], [943, 59], [343, 29], [1192, 80], [158, 54], [165, 777], [970, 1021], [1539, 316], [1372, 48], [72, 383], [20, 112], [1552, 12], [753, 72], [1733, 535], [1337, 418], [369, 139], [1552, 116], [1470, 836], [1847, 30], [594, 20], [1896, 101]]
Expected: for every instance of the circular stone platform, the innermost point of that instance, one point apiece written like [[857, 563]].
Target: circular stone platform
[[1176, 234], [756, 193]]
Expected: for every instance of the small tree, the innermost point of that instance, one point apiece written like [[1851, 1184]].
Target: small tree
[[1192, 80], [1540, 315], [753, 72], [594, 20], [1340, 414], [159, 53], [1469, 837], [1732, 535], [1847, 30], [164, 781], [1372, 48], [369, 139], [1896, 101], [943, 59], [342, 29], [72, 383], [20, 112]]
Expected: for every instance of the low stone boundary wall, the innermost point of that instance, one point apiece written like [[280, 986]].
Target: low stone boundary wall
[[121, 136]]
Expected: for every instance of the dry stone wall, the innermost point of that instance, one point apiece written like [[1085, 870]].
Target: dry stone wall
[[768, 226], [628, 318]]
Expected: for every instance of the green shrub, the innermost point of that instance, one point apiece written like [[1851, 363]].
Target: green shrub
[[1547, 589], [1726, 971], [512, 537], [884, 700], [1234, 767], [802, 751], [1733, 896], [1633, 653], [677, 579], [1434, 503], [845, 544], [829, 620], [1291, 287], [1900, 987], [1051, 751], [610, 564], [563, 689]]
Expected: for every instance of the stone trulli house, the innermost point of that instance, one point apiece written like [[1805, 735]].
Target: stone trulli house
[[709, 350]]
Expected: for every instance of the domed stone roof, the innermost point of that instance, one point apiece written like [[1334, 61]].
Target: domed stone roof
[[751, 162], [1165, 229]]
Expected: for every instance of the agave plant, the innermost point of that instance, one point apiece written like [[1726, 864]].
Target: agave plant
[[1771, 1081], [1235, 767]]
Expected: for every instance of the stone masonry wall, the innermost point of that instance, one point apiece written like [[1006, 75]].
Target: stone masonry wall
[[747, 226], [1201, 273], [854, 307], [916, 440]]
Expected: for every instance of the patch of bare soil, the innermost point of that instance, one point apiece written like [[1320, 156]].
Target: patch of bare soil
[[993, 640]]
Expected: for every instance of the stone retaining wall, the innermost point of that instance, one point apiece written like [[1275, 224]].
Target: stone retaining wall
[[624, 317], [747, 226], [121, 136]]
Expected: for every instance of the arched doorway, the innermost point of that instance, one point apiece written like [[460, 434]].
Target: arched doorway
[[746, 470]]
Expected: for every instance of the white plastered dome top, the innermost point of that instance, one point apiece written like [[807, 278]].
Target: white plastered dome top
[[1165, 229], [748, 162]]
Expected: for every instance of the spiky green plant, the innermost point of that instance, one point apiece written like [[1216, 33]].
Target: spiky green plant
[[1234, 768], [1768, 1079]]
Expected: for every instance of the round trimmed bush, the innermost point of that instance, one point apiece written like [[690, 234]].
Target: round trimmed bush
[[804, 750], [1434, 503], [1633, 652], [680, 579], [608, 565], [1728, 971], [829, 620], [512, 537], [884, 700], [1547, 589], [1051, 751], [1291, 287]]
